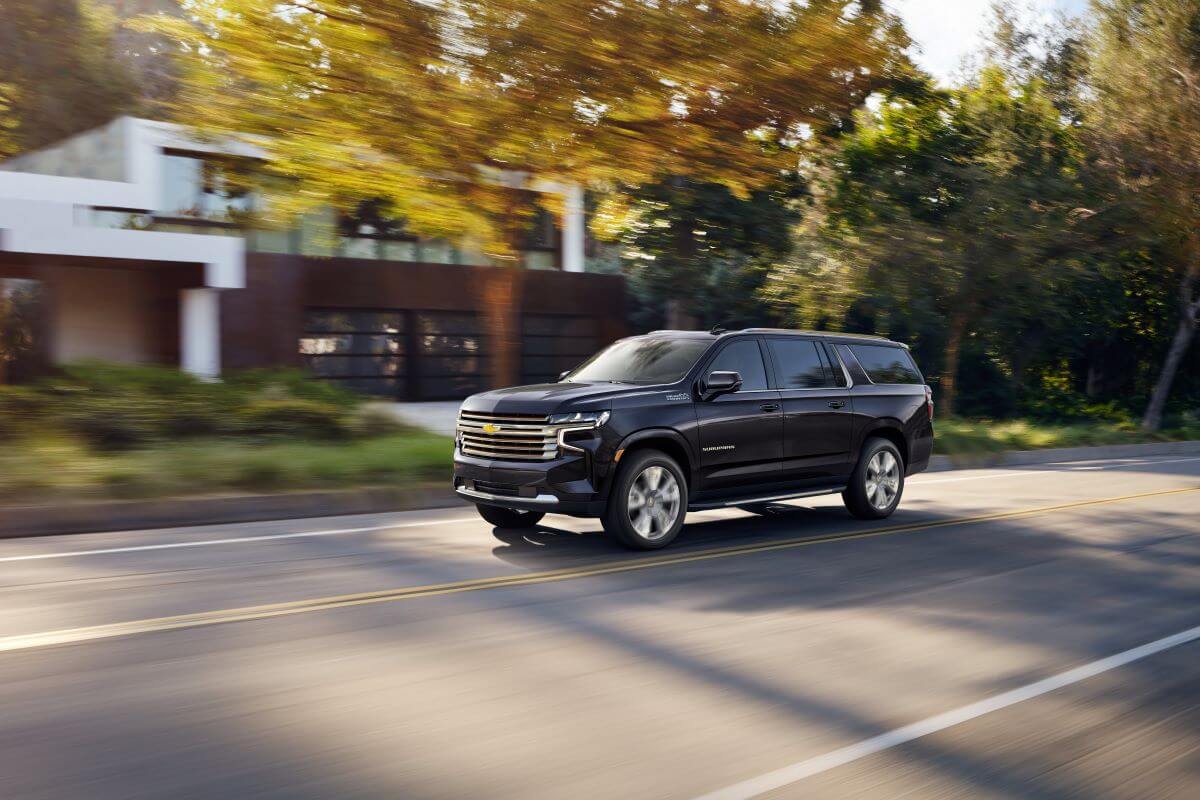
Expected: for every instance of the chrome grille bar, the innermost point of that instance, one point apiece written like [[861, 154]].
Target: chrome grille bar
[[507, 437]]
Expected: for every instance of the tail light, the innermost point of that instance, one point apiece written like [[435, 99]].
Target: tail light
[[929, 401]]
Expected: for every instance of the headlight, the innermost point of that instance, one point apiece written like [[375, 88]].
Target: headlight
[[588, 419]]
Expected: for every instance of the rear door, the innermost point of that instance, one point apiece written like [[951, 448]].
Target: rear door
[[741, 433], [817, 418]]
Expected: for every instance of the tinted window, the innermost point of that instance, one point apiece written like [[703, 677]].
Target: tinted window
[[835, 366], [800, 364], [643, 359], [744, 358], [886, 364]]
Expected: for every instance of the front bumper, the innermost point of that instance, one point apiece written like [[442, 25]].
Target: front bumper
[[565, 485]]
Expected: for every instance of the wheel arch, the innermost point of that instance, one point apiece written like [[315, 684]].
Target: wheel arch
[[891, 431], [668, 441]]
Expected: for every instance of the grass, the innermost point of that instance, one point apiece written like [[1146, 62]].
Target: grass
[[54, 467], [957, 437], [57, 466]]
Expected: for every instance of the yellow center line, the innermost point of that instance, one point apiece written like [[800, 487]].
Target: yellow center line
[[249, 613]]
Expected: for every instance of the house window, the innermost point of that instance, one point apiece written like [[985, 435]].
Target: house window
[[373, 231], [199, 188], [539, 248]]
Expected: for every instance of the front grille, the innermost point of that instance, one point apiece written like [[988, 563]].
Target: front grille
[[508, 437], [497, 489]]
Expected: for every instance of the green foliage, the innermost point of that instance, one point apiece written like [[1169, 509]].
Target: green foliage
[[962, 438], [1145, 124], [293, 418], [106, 430], [943, 208], [19, 407], [120, 407], [46, 466], [1016, 243], [60, 72], [706, 251]]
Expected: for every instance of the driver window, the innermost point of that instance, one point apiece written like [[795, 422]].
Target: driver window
[[744, 358]]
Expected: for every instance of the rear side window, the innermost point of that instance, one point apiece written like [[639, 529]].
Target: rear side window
[[886, 364], [800, 364], [744, 358], [835, 365]]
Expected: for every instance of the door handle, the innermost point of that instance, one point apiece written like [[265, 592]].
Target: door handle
[[837, 403], [770, 406]]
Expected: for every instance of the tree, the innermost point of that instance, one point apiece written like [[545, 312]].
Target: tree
[[731, 244], [948, 215], [19, 315], [1145, 72], [410, 101], [59, 72]]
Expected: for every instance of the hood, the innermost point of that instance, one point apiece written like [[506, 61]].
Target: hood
[[549, 398]]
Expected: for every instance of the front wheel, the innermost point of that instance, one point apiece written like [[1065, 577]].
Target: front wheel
[[648, 501], [509, 517], [877, 482]]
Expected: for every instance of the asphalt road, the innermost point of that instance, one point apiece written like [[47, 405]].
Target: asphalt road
[[1023, 633]]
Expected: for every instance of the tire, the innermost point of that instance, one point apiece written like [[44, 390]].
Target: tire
[[877, 483], [509, 517], [653, 478]]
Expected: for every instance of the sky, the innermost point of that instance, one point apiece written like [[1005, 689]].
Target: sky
[[948, 30]]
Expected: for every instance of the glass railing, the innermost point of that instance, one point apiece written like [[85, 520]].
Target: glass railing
[[296, 242]]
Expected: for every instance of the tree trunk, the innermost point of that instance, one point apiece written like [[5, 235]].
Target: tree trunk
[[678, 308], [1179, 347], [949, 382], [677, 316]]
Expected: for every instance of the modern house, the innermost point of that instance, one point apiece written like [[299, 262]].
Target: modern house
[[140, 253]]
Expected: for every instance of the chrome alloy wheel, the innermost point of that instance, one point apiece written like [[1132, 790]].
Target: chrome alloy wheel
[[883, 479], [654, 503]]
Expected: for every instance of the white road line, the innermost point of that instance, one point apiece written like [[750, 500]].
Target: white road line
[[1014, 472], [815, 766], [234, 540]]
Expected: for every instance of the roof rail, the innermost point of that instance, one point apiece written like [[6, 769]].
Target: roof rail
[[819, 333]]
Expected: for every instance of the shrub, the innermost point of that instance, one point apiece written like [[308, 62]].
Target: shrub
[[301, 419], [279, 383], [111, 422], [19, 411], [371, 421]]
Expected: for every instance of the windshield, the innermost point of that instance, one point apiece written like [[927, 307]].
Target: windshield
[[642, 359]]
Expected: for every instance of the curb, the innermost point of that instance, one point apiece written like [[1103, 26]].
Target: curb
[[122, 515], [1016, 458]]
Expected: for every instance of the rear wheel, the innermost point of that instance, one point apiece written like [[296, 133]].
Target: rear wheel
[[877, 482], [648, 501], [509, 517]]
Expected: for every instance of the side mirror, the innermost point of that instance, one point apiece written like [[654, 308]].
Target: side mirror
[[562, 375], [719, 383]]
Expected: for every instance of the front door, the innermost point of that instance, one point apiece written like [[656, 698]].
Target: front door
[[741, 433], [817, 412]]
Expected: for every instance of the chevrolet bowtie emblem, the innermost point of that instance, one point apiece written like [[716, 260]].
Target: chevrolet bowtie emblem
[[490, 428]]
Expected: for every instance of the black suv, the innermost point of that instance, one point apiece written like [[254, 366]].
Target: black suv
[[674, 421]]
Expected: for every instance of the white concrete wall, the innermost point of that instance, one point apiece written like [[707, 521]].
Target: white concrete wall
[[97, 154], [102, 314]]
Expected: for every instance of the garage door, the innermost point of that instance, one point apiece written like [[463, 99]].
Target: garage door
[[453, 358], [360, 350]]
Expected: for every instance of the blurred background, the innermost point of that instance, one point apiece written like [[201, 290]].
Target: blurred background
[[365, 204], [254, 254]]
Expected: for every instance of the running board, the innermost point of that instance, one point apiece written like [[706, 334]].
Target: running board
[[745, 501]]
